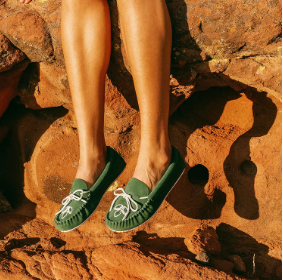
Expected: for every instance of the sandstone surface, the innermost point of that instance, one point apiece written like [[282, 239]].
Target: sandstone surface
[[9, 55], [29, 260], [230, 189], [225, 119], [214, 44]]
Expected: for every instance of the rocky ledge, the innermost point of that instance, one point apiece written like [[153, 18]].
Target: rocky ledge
[[223, 218]]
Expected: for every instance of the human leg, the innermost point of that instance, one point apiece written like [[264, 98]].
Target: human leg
[[86, 42], [86, 46], [146, 31]]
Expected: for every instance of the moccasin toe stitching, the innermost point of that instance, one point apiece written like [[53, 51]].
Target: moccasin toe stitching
[[80, 204], [137, 218], [136, 191]]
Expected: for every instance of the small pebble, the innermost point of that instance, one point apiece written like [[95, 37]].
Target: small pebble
[[203, 258], [203, 239], [238, 262]]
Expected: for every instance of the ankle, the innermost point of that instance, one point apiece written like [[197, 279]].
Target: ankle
[[92, 162], [156, 152], [151, 166], [90, 169], [93, 156]]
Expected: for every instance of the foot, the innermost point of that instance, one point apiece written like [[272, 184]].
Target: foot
[[134, 205], [152, 164], [81, 203], [91, 168]]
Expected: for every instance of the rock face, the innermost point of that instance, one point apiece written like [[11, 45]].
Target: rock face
[[31, 37], [28, 260], [225, 107], [9, 55], [214, 44], [225, 166]]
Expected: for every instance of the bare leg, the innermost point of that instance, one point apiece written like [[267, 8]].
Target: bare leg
[[86, 41], [147, 33]]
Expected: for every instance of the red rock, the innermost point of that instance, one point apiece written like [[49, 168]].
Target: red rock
[[262, 72], [233, 46], [229, 28], [204, 239], [9, 55], [28, 32], [50, 12], [227, 43], [146, 264], [56, 265], [13, 270], [44, 85], [108, 262], [54, 145], [222, 265]]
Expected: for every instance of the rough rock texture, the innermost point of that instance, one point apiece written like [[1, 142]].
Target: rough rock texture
[[9, 55], [225, 120], [204, 239], [27, 258], [27, 32], [44, 85], [228, 180], [203, 258], [213, 45]]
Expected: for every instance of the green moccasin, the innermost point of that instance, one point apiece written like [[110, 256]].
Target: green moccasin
[[134, 205], [80, 204]]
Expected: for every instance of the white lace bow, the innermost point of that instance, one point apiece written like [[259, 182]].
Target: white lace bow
[[69, 209], [122, 209]]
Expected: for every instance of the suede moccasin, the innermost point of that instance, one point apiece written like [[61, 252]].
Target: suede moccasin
[[135, 205], [80, 204]]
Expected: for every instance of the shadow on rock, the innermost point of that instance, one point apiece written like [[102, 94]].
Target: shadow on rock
[[152, 240], [184, 48], [19, 243], [203, 108], [117, 70], [240, 171], [236, 242], [26, 127]]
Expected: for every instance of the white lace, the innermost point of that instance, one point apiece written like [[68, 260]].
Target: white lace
[[69, 209], [122, 209]]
